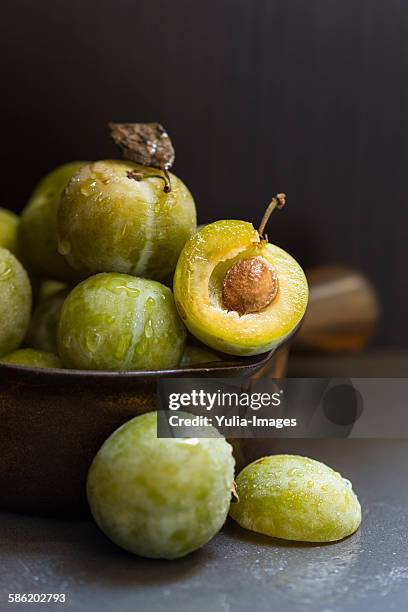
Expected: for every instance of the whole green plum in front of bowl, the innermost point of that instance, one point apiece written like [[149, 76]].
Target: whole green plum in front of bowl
[[295, 498], [109, 221], [120, 322], [32, 358], [37, 231], [42, 333], [15, 302], [8, 230], [160, 497]]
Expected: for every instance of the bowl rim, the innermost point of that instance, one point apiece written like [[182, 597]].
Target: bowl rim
[[240, 366]]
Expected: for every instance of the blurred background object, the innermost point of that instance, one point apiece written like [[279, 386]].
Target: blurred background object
[[305, 97], [343, 311]]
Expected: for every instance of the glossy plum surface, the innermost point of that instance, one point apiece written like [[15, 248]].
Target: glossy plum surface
[[42, 332], [197, 354], [111, 222], [32, 358], [15, 302], [37, 232], [8, 230], [296, 498], [160, 497], [120, 322]]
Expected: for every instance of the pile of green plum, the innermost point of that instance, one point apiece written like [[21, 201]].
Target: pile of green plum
[[166, 497], [105, 270], [90, 250], [110, 255]]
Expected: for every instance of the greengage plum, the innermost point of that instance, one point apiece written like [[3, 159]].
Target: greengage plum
[[160, 497], [15, 302], [115, 217], [236, 292], [295, 498], [42, 332], [119, 322], [32, 358], [8, 230], [37, 234], [196, 354]]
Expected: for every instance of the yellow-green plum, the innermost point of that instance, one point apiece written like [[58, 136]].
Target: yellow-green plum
[[120, 322], [160, 497], [296, 498], [236, 292], [114, 216], [32, 358], [8, 230], [42, 333], [15, 302], [37, 233], [196, 354]]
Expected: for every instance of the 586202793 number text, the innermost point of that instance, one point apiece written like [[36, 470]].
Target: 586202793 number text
[[36, 598]]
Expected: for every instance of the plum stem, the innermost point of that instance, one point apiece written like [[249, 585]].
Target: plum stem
[[140, 176], [167, 186], [278, 201], [234, 493]]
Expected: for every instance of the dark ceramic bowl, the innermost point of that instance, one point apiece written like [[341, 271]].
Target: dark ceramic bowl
[[54, 421]]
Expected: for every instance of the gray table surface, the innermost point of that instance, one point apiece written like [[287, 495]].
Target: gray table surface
[[237, 570]]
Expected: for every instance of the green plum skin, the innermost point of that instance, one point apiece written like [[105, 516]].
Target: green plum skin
[[32, 358], [15, 302], [37, 232], [42, 332], [119, 322], [108, 222], [8, 230], [196, 354], [160, 497], [296, 498]]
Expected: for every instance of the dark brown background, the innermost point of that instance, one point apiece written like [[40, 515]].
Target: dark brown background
[[310, 98]]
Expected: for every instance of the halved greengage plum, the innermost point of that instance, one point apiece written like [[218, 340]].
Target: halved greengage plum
[[236, 292]]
